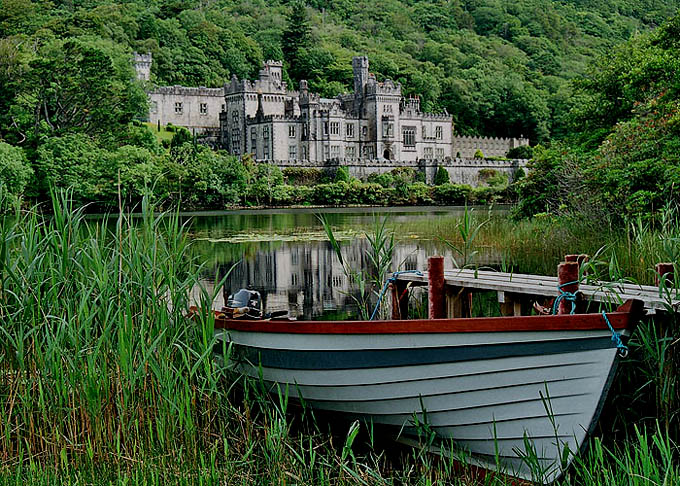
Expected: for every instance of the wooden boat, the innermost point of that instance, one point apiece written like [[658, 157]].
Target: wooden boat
[[492, 386]]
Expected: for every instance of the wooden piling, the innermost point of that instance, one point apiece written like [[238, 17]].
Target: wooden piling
[[571, 258], [399, 300], [436, 292], [666, 269], [567, 272]]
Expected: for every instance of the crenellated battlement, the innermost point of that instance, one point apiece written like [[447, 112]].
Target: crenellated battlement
[[187, 91]]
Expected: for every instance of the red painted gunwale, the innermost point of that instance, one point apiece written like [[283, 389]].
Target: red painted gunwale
[[625, 317]]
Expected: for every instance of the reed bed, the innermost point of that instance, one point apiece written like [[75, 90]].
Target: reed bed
[[103, 380]]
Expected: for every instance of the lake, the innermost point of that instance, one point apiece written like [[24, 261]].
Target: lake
[[285, 254]]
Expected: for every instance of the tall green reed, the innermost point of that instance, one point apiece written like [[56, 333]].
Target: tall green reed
[[97, 358]]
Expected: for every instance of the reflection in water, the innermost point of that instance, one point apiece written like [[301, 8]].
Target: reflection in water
[[302, 276]]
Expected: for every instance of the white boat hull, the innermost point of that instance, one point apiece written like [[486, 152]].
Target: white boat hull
[[487, 392]]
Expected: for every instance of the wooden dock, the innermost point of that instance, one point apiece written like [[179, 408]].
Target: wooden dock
[[517, 291]]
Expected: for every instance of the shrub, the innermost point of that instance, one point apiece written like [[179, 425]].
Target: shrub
[[441, 177], [385, 180], [342, 174], [14, 170], [286, 194], [521, 152], [451, 193], [302, 175], [478, 154], [333, 194]]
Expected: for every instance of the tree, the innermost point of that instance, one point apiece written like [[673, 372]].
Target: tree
[[441, 177], [296, 37], [14, 170], [78, 85]]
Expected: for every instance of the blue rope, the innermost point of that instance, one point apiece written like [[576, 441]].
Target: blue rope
[[393, 278], [616, 337], [564, 295]]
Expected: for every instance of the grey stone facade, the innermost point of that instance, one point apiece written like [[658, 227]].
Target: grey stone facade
[[266, 119]]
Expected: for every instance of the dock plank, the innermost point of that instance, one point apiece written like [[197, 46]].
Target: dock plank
[[546, 286]]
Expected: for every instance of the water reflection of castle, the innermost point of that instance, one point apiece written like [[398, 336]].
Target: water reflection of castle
[[306, 278]]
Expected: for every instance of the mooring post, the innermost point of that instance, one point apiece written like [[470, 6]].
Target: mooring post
[[436, 294], [399, 300], [667, 270], [571, 258], [567, 272]]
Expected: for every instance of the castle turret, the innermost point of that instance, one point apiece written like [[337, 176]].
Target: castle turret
[[143, 66], [360, 68]]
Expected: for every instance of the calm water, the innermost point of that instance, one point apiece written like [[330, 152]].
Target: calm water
[[284, 254]]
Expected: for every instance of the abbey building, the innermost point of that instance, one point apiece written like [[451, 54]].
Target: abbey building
[[265, 118]]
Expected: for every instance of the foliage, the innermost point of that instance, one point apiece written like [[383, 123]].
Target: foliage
[[521, 152], [441, 177], [623, 159], [15, 173], [302, 175], [478, 154], [342, 174]]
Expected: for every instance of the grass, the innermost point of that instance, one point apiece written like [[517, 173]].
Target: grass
[[104, 381], [161, 135]]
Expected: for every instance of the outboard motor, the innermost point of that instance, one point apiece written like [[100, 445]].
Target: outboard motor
[[244, 304]]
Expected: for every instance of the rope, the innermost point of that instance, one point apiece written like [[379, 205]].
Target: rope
[[564, 295], [616, 337], [393, 278]]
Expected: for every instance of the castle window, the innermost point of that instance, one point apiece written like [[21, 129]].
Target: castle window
[[427, 153], [223, 106], [335, 128], [368, 153], [335, 151], [253, 139], [388, 129], [178, 107], [438, 132], [326, 152], [349, 130], [364, 131], [424, 132], [235, 141], [292, 152], [265, 142], [203, 108], [154, 107], [291, 131], [294, 279], [350, 153], [440, 153], [409, 136], [325, 128], [304, 153]]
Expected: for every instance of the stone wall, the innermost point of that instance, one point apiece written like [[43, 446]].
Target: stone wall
[[197, 109], [461, 171], [465, 146]]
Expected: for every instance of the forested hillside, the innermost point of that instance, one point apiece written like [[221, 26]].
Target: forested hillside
[[500, 68]]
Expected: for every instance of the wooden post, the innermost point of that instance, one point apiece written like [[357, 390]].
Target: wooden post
[[667, 270], [571, 258], [399, 300], [567, 272], [436, 296], [511, 305]]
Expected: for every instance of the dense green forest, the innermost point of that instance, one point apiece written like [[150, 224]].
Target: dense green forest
[[68, 99]]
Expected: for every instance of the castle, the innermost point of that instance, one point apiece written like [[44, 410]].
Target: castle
[[265, 118]]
